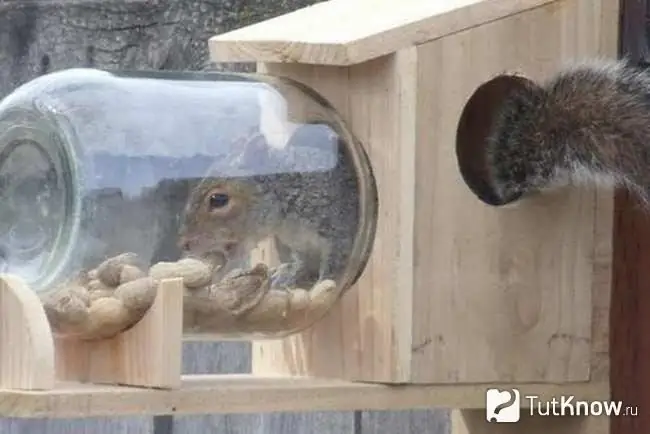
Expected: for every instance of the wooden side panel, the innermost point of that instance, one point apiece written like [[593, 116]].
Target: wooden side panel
[[503, 294], [367, 336]]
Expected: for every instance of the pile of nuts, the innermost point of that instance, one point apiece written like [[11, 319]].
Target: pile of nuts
[[105, 301]]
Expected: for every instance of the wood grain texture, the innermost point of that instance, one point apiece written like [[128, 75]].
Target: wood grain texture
[[528, 272], [245, 393], [147, 354], [307, 36], [26, 344]]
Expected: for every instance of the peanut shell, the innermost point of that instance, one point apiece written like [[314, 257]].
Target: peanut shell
[[106, 318], [130, 273], [110, 270], [137, 295], [97, 285], [195, 273]]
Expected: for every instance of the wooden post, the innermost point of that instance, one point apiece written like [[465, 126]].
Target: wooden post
[[630, 316], [630, 299]]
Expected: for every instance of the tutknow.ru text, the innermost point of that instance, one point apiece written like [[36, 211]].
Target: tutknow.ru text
[[569, 406]]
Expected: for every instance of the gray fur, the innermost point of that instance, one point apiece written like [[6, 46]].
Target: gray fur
[[589, 123]]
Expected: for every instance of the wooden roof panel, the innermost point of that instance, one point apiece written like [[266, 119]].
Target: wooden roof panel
[[346, 32]]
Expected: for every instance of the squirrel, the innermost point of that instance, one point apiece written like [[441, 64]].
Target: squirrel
[[589, 123], [264, 192]]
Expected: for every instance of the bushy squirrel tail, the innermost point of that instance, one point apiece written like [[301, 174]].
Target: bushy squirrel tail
[[589, 123]]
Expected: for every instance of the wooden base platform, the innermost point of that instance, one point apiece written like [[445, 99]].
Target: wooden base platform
[[205, 394]]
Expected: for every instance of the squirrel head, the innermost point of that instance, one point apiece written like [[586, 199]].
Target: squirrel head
[[229, 212], [225, 217]]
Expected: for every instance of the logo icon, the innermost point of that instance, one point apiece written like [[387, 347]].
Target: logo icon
[[502, 405]]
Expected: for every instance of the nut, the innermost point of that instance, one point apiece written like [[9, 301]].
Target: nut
[[130, 272], [137, 295], [109, 271], [195, 273], [106, 318], [97, 285]]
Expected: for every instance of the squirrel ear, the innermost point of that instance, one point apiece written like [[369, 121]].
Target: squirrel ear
[[254, 150]]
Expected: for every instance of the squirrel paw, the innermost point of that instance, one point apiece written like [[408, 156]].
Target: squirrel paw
[[291, 276], [283, 276]]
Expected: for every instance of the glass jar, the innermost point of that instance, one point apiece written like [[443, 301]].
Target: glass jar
[[113, 181]]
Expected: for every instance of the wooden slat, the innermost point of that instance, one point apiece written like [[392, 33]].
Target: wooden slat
[[246, 394], [211, 358], [313, 422], [343, 32], [101, 425], [474, 422], [406, 422]]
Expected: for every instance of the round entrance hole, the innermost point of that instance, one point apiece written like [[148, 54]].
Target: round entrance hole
[[474, 129]]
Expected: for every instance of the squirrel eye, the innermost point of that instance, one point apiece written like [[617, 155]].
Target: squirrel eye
[[218, 200]]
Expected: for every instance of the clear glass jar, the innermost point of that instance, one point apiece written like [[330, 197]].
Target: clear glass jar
[[112, 181]]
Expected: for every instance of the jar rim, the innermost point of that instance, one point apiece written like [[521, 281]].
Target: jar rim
[[52, 211]]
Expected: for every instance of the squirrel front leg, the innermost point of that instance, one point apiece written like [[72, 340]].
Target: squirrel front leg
[[286, 274], [300, 269]]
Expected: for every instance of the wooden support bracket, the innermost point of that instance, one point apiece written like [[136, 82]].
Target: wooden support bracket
[[149, 354], [26, 344]]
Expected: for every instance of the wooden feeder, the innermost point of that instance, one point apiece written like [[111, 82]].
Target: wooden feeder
[[457, 296], [455, 291]]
